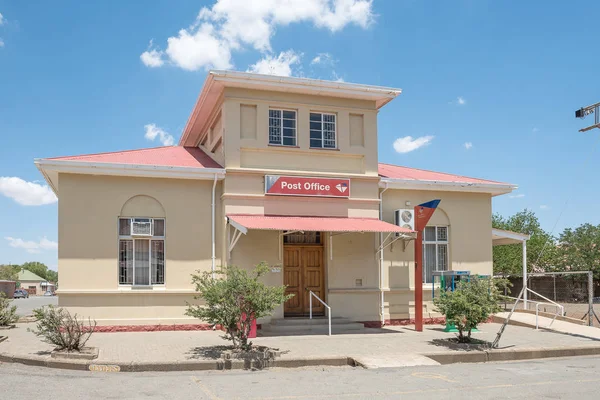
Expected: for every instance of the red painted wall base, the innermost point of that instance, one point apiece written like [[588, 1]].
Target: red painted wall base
[[402, 322]]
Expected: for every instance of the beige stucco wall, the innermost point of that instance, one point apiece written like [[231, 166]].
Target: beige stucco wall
[[248, 147], [468, 216], [89, 208]]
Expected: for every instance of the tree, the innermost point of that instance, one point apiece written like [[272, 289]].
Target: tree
[[8, 312], [234, 300], [52, 276], [579, 249], [9, 272], [470, 304], [37, 268], [508, 259]]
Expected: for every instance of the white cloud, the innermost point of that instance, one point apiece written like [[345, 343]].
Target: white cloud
[[31, 246], [152, 58], [1, 19], [516, 196], [323, 58], [461, 101], [280, 65], [237, 24], [534, 130], [199, 48], [1, 42], [468, 145], [153, 131], [26, 193], [544, 207], [408, 143]]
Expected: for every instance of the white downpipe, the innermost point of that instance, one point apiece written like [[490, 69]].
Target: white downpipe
[[213, 206], [381, 294]]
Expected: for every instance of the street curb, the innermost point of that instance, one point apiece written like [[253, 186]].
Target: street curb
[[188, 365], [448, 357], [512, 354]]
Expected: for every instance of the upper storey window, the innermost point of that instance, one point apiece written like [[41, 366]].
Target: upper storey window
[[282, 127], [322, 131]]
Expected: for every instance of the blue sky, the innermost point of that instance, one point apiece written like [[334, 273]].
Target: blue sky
[[505, 76]]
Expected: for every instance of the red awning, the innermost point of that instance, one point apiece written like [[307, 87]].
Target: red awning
[[317, 224]]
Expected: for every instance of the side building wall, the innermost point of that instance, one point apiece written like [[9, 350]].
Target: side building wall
[[469, 220], [89, 209]]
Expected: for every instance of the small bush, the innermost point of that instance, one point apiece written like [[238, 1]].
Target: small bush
[[58, 327], [8, 313], [470, 304], [235, 299]]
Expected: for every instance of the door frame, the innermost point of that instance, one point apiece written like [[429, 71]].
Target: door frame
[[323, 271]]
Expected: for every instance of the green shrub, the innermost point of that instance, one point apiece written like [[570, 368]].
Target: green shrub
[[470, 304], [234, 295], [8, 313], [58, 327]]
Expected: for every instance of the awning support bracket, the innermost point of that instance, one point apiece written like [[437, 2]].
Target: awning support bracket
[[233, 239]]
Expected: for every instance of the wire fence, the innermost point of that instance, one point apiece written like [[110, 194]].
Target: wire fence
[[572, 290]]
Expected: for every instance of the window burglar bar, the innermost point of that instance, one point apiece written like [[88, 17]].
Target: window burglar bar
[[322, 131], [141, 260], [282, 127]]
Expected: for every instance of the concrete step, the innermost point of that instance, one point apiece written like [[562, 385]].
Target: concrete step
[[351, 327], [310, 322]]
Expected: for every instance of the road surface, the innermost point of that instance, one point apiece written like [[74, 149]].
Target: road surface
[[26, 306], [562, 378]]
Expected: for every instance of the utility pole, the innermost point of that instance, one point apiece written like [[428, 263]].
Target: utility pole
[[585, 111]]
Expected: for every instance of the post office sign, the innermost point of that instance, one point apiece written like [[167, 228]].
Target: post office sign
[[306, 186]]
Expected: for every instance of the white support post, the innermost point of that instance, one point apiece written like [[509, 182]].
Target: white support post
[[525, 274]]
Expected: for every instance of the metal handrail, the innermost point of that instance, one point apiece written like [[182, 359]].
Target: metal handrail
[[537, 307], [322, 302]]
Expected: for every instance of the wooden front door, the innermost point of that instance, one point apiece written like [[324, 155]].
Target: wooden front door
[[302, 272]]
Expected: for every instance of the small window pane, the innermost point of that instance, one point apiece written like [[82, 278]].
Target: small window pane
[[315, 126], [289, 141], [125, 262], [142, 262], [442, 257], [159, 227], [289, 114], [315, 117], [442, 233], [124, 226], [428, 261], [430, 233], [289, 123], [275, 113], [316, 143], [158, 261]]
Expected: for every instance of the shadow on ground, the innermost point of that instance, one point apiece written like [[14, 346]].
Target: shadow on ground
[[452, 344]]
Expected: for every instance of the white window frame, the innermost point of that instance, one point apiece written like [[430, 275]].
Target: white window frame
[[323, 130], [436, 242], [281, 127], [133, 239]]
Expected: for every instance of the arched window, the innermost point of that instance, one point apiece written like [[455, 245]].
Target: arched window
[[142, 232]]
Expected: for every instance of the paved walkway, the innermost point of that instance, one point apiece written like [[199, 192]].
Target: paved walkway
[[557, 326], [390, 347]]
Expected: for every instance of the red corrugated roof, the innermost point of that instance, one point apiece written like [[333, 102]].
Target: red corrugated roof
[[398, 172], [311, 224], [171, 156]]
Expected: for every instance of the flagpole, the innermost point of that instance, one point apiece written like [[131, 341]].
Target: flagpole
[[423, 213], [419, 282]]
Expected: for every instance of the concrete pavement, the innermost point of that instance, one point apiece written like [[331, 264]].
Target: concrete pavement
[[389, 347], [565, 378], [526, 319]]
